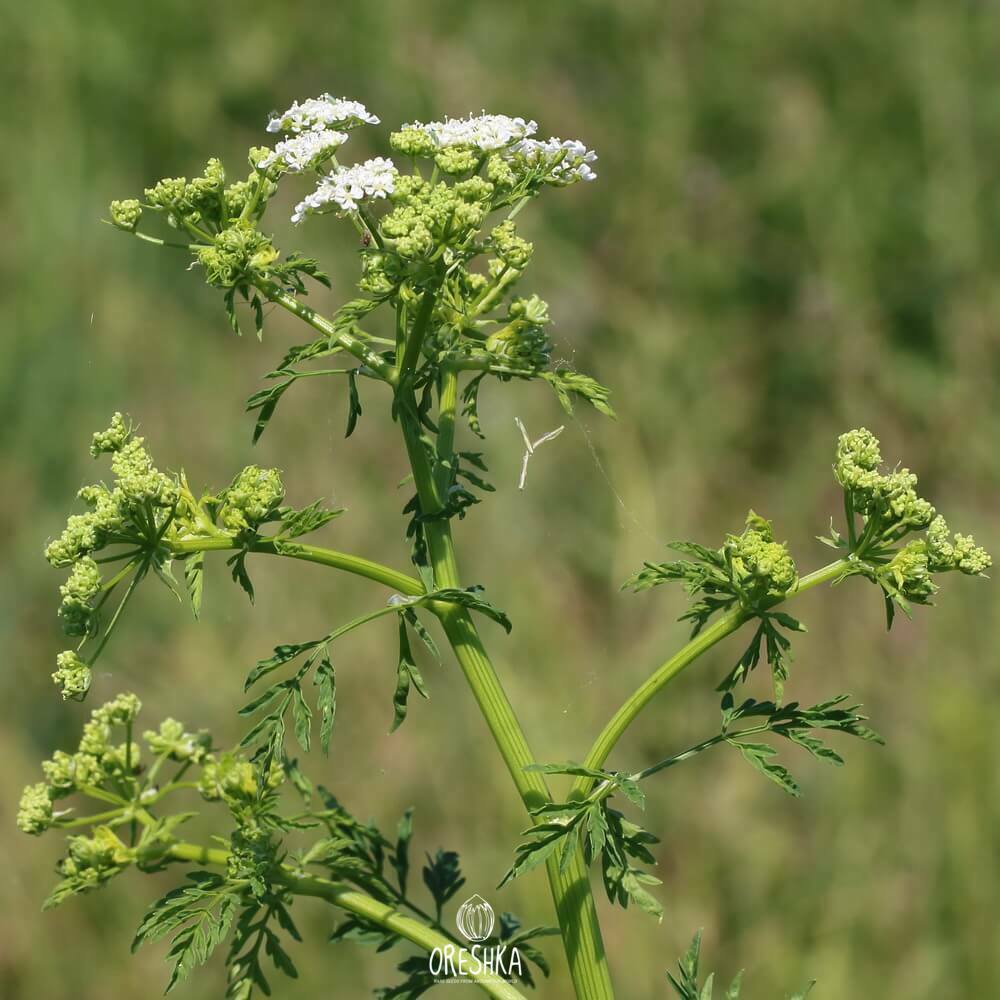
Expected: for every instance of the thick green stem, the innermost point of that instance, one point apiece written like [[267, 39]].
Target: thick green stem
[[309, 553], [683, 658], [364, 906], [411, 353], [446, 426], [571, 890]]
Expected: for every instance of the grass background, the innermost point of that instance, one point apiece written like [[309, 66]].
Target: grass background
[[795, 231]]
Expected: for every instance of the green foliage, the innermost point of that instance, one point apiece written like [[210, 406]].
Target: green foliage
[[442, 257], [249, 902], [687, 987], [603, 832]]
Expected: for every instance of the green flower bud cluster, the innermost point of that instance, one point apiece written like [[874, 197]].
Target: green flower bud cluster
[[112, 440], [192, 203], [382, 272], [97, 762], [85, 533], [909, 572], [66, 773], [253, 498], [205, 208], [139, 481], [426, 215], [759, 566], [34, 812], [174, 742], [456, 161], [83, 585], [95, 859], [891, 509], [522, 342], [235, 780], [510, 248], [238, 252], [889, 499], [73, 675], [411, 141], [959, 552], [126, 214], [112, 518], [500, 172]]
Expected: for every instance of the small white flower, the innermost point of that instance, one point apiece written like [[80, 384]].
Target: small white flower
[[485, 132], [569, 158], [346, 186], [305, 150], [323, 112]]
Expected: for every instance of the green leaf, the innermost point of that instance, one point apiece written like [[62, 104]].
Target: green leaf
[[301, 718], [469, 599], [757, 754], [353, 403], [425, 637], [237, 564], [787, 621], [194, 566], [571, 768], [407, 675], [198, 915], [443, 877], [816, 747], [300, 522], [540, 842], [282, 654], [568, 383], [470, 404], [265, 401], [326, 700], [400, 859]]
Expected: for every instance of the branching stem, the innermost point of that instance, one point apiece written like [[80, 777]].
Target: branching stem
[[683, 658], [365, 907]]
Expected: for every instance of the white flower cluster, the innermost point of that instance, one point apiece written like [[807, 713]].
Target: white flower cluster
[[346, 186], [305, 150], [570, 158], [323, 112], [485, 132]]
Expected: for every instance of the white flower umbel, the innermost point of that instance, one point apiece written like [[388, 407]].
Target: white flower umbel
[[306, 150], [485, 132], [569, 158], [346, 186], [323, 112]]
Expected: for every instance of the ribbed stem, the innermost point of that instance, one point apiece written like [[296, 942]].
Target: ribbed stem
[[310, 553], [571, 891], [683, 658]]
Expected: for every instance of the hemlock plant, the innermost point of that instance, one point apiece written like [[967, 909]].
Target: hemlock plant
[[440, 254]]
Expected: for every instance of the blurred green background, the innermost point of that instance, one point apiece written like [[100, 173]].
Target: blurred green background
[[796, 230]]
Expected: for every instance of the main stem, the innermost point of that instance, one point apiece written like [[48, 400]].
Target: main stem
[[571, 891]]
